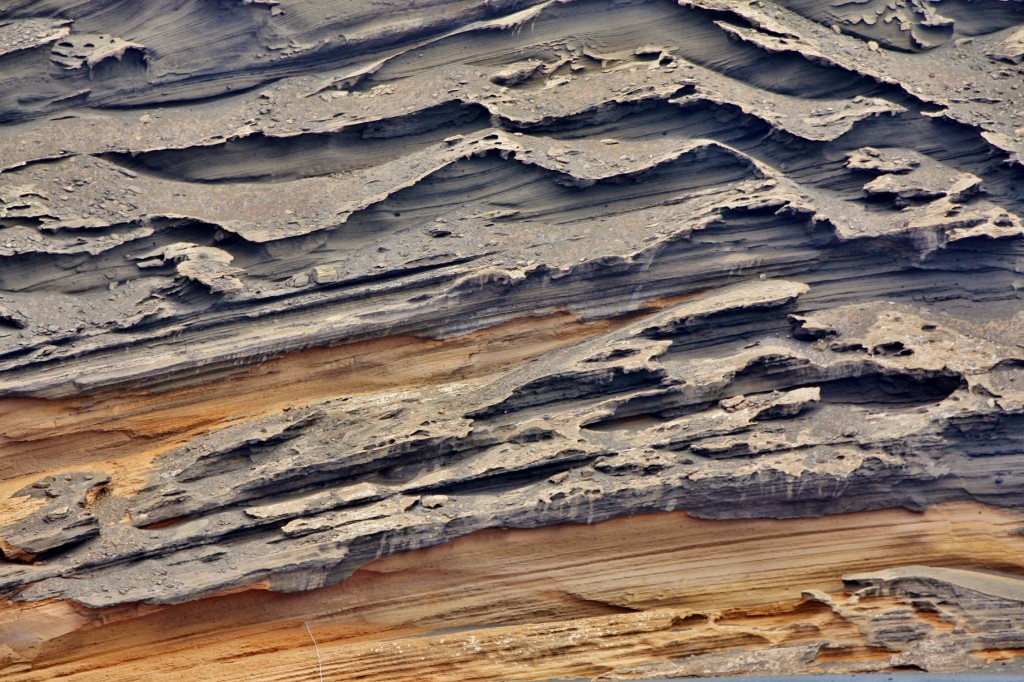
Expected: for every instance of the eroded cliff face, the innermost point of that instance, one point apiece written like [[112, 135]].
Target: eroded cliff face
[[515, 339]]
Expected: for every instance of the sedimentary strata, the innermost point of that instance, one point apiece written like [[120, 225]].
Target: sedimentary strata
[[510, 339]]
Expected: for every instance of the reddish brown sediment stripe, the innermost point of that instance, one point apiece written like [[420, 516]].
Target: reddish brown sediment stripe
[[122, 422], [559, 601], [124, 430]]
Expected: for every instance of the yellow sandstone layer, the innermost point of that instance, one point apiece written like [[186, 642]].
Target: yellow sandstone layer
[[614, 599]]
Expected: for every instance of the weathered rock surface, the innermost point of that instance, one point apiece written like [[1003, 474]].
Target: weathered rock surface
[[322, 299]]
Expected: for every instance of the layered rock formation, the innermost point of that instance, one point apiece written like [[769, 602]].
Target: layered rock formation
[[514, 339]]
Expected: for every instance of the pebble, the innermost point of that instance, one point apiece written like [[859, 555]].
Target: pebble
[[433, 501]]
